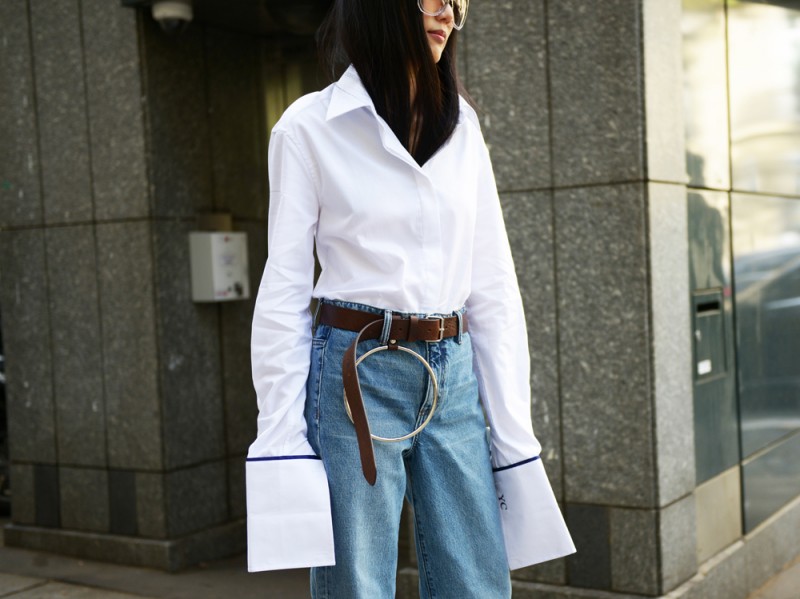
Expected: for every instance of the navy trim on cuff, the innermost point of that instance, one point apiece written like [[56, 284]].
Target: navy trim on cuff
[[522, 463], [285, 457]]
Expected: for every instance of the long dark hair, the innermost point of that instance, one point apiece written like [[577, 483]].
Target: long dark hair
[[387, 44]]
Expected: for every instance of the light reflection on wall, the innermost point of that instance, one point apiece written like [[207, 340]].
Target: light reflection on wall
[[764, 66], [705, 94], [743, 137], [766, 245]]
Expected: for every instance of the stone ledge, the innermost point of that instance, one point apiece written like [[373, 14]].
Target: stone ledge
[[733, 573], [407, 585], [744, 566], [171, 555]]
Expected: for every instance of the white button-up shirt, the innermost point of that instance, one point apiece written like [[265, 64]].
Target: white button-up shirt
[[399, 236]]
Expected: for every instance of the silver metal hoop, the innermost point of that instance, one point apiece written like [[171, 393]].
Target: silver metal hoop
[[425, 422]]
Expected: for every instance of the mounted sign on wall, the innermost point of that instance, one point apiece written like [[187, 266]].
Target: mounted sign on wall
[[219, 262]]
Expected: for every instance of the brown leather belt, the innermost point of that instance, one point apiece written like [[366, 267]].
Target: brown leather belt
[[370, 326]]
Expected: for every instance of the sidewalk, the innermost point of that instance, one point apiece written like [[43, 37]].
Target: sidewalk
[[34, 575], [784, 585]]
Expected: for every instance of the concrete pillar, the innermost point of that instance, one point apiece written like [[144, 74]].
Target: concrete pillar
[[581, 105], [130, 407]]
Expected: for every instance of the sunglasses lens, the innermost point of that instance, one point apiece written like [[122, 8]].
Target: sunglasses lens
[[431, 7], [437, 7], [460, 12]]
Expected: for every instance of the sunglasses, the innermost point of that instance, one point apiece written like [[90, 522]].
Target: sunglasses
[[435, 8]]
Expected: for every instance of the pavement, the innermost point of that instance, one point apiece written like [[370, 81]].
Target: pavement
[[784, 585], [28, 574]]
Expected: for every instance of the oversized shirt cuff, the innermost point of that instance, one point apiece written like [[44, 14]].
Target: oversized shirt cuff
[[288, 513], [533, 527]]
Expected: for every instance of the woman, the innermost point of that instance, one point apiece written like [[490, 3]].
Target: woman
[[387, 172]]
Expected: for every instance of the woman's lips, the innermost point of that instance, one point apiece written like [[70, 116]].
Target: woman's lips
[[439, 35]]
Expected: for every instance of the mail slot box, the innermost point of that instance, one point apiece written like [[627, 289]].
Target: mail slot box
[[709, 333]]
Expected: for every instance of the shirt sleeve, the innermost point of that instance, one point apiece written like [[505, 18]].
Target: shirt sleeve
[[533, 527], [288, 505], [497, 328]]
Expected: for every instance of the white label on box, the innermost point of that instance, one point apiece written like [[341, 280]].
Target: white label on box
[[703, 367]]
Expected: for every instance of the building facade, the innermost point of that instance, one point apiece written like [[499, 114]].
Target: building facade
[[647, 155]]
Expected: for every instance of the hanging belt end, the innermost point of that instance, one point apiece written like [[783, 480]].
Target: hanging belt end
[[370, 473]]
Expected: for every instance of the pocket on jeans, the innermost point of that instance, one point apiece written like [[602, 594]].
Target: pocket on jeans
[[313, 389], [320, 335]]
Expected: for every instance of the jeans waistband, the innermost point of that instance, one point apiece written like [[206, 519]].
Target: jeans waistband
[[381, 311]]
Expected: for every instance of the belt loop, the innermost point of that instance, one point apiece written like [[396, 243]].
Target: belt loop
[[387, 327], [460, 316]]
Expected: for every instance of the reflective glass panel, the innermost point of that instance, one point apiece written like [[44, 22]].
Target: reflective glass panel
[[771, 480], [766, 253], [705, 93], [764, 65], [715, 416]]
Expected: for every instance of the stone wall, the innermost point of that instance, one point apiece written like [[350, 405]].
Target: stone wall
[[581, 106], [130, 407]]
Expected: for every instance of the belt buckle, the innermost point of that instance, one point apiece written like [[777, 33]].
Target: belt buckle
[[441, 327]]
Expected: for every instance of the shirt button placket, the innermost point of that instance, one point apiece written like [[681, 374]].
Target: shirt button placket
[[432, 259]]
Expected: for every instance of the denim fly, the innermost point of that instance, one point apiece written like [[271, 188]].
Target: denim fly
[[444, 472]]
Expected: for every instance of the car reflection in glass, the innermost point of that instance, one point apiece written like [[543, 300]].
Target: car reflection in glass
[[768, 315]]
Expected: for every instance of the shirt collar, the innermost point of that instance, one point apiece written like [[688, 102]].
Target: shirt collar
[[348, 94]]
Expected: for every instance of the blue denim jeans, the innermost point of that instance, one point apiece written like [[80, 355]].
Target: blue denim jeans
[[444, 472]]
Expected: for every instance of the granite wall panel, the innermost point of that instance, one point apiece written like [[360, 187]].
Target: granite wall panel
[[61, 111], [116, 112], [664, 90], [509, 83], [130, 351], [595, 64], [84, 499], [677, 540], [46, 495], [590, 566], [529, 222], [177, 121], [226, 540], [122, 516], [196, 498], [634, 550], [236, 317], [239, 169], [23, 499], [20, 189], [605, 337], [671, 341], [192, 409], [552, 572], [27, 346], [236, 487], [241, 408], [151, 510], [77, 345]]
